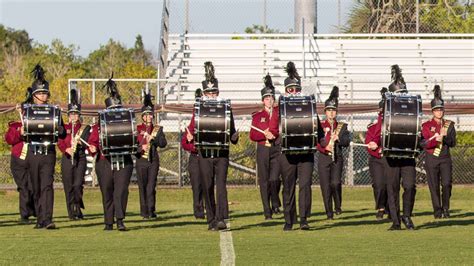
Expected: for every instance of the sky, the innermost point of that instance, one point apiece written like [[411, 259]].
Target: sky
[[90, 23]]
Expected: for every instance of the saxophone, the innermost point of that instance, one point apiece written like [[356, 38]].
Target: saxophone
[[75, 139], [153, 134]]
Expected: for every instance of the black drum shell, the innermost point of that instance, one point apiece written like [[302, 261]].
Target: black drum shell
[[401, 129], [298, 124], [212, 124], [118, 134], [40, 123]]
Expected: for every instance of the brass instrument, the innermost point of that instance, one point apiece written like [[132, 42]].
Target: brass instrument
[[439, 146], [153, 134]]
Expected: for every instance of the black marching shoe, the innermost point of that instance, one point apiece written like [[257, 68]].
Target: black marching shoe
[[268, 217], [24, 220], [408, 222], [338, 212], [446, 213], [304, 224], [109, 227], [121, 226], [38, 226], [276, 210], [379, 215], [221, 225], [212, 226], [153, 215], [287, 227], [199, 216], [395, 227], [50, 226], [330, 216]]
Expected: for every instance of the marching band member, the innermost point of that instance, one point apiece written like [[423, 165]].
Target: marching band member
[[268, 151], [295, 167], [439, 136], [113, 181], [330, 161], [213, 165], [73, 162], [147, 165], [19, 167], [193, 169], [41, 159], [400, 168], [373, 140]]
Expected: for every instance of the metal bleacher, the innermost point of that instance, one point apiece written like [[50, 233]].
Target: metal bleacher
[[359, 66]]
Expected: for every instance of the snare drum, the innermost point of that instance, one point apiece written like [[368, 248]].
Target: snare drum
[[118, 134], [401, 128], [41, 123], [298, 124], [212, 124]]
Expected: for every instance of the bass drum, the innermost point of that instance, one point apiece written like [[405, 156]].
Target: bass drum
[[41, 123], [118, 134], [298, 124], [212, 124], [401, 129]]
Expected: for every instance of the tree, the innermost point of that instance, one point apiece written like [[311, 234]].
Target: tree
[[399, 16]]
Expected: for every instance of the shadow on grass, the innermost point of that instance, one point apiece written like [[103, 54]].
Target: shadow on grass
[[266, 223], [430, 213], [168, 225], [447, 222], [10, 214]]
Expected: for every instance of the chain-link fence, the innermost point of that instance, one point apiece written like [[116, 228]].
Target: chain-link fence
[[332, 16], [174, 161]]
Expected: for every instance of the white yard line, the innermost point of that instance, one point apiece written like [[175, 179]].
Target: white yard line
[[227, 247]]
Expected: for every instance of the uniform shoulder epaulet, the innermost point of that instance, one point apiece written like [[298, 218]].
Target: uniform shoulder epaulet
[[371, 125], [256, 112]]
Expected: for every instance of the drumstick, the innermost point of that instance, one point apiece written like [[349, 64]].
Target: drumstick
[[434, 136], [258, 129], [359, 144], [85, 142]]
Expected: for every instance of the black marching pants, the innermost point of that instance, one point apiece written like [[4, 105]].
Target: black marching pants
[[379, 182], [114, 187], [400, 171], [268, 165], [439, 172], [196, 185], [214, 171], [147, 174], [330, 175], [293, 168], [19, 169], [73, 183], [41, 170]]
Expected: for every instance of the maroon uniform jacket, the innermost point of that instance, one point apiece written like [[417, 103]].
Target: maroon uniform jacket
[[263, 121], [344, 137], [65, 143], [374, 134], [429, 129], [189, 146], [13, 137]]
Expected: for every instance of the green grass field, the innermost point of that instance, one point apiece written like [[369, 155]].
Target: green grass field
[[176, 237]]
